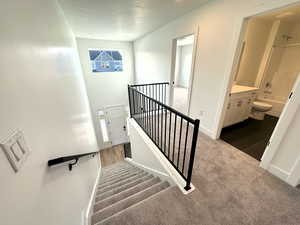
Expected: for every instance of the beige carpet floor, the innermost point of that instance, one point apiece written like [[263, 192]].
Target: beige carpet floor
[[231, 189]]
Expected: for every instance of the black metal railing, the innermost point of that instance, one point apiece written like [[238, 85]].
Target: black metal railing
[[157, 91], [71, 158], [174, 133]]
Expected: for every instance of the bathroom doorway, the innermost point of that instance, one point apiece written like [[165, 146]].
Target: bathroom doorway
[[266, 72], [181, 77]]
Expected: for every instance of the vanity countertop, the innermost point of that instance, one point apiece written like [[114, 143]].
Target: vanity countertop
[[239, 89]]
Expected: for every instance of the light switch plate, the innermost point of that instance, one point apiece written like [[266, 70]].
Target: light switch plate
[[15, 149]]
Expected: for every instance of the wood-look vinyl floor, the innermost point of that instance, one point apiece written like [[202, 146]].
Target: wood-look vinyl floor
[[112, 155]]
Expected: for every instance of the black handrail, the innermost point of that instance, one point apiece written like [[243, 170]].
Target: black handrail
[[159, 120], [138, 85], [64, 159]]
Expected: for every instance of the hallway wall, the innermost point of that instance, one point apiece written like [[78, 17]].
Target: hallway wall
[[219, 23], [256, 37], [105, 88], [42, 93]]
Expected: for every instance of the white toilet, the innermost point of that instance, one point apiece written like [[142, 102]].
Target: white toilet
[[259, 110]]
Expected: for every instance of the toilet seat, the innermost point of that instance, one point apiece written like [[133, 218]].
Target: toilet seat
[[262, 106]]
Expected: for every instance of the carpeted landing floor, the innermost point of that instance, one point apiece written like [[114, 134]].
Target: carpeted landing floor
[[231, 190]]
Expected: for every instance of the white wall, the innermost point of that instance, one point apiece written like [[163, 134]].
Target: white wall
[[42, 92], [219, 24], [141, 151], [106, 89], [288, 68], [185, 63], [256, 37]]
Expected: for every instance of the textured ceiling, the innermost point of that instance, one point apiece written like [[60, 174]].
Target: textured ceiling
[[124, 20]]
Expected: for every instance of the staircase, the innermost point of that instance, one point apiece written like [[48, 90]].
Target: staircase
[[122, 186]]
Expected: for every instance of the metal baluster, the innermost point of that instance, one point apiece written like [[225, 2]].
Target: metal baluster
[[162, 126], [155, 122], [159, 94], [165, 99], [186, 138], [158, 123], [192, 155], [179, 147], [152, 121], [174, 140], [165, 143], [170, 128], [140, 108], [129, 99], [134, 102], [143, 110], [147, 115]]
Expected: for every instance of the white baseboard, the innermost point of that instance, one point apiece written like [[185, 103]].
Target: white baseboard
[[276, 171], [88, 214], [294, 177], [207, 132], [157, 173]]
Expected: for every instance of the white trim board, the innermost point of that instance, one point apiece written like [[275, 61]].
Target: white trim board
[[207, 132], [192, 72], [293, 178], [276, 171], [88, 213]]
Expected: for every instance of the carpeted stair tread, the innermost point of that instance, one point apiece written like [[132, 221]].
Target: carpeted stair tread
[[107, 175], [116, 167], [127, 202], [117, 177], [110, 186], [126, 193], [122, 188]]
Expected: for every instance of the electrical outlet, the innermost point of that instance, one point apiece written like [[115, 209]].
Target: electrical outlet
[[201, 114]]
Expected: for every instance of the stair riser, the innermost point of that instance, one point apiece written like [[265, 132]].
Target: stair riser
[[105, 178], [108, 176], [122, 188], [125, 203], [120, 183], [108, 170], [124, 194], [118, 179], [115, 168]]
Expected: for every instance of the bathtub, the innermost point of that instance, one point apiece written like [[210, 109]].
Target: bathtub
[[277, 104]]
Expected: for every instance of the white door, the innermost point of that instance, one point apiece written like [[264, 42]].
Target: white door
[[283, 124], [116, 123]]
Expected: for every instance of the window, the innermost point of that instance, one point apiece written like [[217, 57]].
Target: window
[[106, 61]]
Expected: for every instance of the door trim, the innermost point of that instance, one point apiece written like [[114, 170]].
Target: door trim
[[192, 74]]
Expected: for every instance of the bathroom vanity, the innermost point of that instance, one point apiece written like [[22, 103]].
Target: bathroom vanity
[[240, 104]]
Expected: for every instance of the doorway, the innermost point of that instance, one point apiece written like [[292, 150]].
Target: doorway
[[266, 73], [183, 49], [112, 122]]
